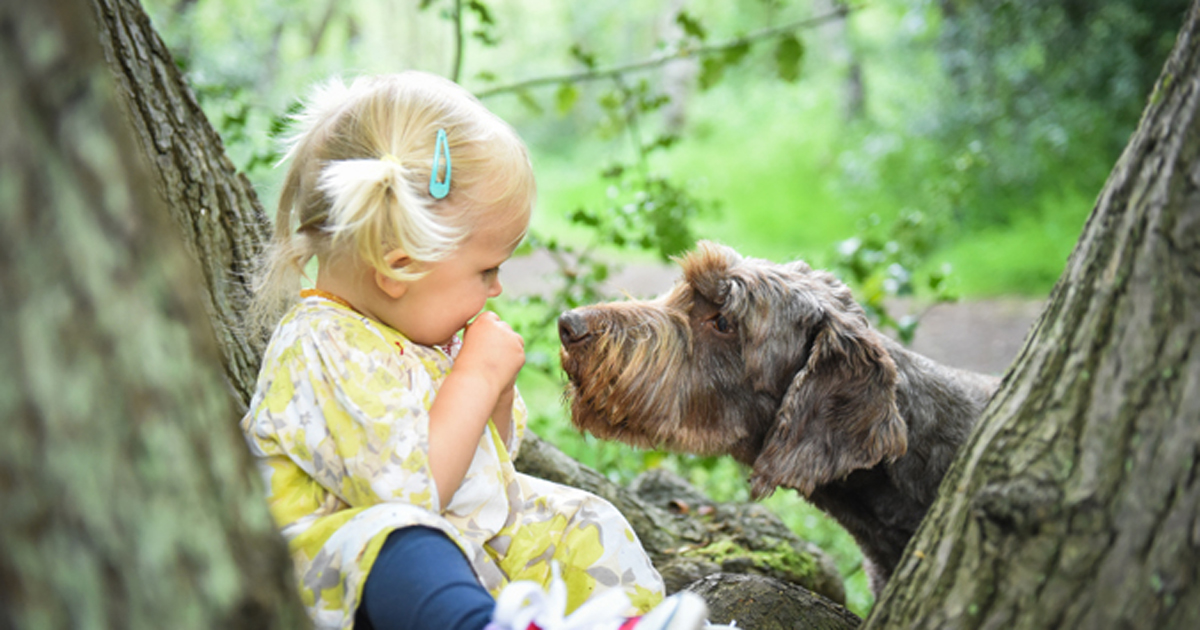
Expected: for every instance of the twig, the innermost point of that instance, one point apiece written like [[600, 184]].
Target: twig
[[458, 41], [664, 58], [314, 42]]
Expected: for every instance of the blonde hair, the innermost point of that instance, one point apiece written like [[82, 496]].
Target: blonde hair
[[358, 182]]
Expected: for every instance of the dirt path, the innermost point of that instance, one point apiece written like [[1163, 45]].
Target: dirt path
[[979, 335]]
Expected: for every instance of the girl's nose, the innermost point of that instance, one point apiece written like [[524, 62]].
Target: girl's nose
[[496, 288]]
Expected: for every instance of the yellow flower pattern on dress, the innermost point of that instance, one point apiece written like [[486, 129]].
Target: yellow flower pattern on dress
[[339, 425]]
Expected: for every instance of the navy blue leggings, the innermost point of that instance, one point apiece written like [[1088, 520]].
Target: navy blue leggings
[[422, 581]]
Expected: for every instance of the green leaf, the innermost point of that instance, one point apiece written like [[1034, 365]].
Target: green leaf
[[612, 101], [651, 103], [566, 97], [583, 56], [485, 37], [788, 55], [582, 217], [735, 53], [480, 9], [691, 25], [711, 71], [613, 172], [281, 122], [664, 141], [906, 328]]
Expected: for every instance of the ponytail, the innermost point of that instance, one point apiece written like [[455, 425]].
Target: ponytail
[[359, 181], [373, 204]]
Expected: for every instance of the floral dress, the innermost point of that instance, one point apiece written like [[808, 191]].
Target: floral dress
[[339, 425]]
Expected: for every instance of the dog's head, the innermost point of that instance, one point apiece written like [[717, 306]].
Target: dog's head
[[775, 364]]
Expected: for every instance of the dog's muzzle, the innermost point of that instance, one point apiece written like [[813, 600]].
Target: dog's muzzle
[[573, 329]]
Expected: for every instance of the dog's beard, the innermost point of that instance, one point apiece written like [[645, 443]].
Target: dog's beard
[[641, 378], [623, 386]]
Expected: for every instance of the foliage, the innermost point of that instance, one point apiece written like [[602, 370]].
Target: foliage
[[887, 264], [251, 134], [1035, 96]]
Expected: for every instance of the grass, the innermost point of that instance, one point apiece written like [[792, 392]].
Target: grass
[[814, 526], [1025, 257], [768, 160]]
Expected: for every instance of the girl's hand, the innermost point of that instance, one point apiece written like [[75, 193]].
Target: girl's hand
[[491, 349]]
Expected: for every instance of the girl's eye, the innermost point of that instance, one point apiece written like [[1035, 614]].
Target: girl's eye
[[722, 324], [488, 274]]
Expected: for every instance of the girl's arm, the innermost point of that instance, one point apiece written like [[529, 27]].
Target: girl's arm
[[502, 415], [482, 376]]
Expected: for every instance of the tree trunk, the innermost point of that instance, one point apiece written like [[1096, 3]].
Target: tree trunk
[[223, 224], [1076, 502], [129, 500]]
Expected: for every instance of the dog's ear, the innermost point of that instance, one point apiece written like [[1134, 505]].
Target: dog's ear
[[839, 413], [706, 269]]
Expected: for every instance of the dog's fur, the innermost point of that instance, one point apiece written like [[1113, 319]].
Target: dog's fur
[[777, 366]]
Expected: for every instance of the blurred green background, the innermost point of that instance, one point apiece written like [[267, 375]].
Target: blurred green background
[[928, 150]]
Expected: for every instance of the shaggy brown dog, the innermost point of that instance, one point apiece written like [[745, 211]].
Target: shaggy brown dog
[[777, 366]]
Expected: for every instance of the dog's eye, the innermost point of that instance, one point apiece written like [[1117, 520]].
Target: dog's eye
[[722, 324]]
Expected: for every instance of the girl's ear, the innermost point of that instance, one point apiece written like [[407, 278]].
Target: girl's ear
[[396, 259]]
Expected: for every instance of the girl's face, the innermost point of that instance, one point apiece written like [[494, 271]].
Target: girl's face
[[440, 303]]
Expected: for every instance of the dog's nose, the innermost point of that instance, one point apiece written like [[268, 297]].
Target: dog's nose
[[572, 328]]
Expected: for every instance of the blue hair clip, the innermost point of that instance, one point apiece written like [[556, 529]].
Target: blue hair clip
[[442, 188]]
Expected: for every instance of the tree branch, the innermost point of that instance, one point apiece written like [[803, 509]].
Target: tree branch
[[318, 34], [686, 52], [458, 41]]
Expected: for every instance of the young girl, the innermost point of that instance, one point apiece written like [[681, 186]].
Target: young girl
[[386, 440]]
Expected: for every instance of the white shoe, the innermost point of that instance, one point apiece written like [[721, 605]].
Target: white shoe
[[525, 606]]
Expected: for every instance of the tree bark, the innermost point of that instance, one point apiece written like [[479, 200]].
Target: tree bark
[[129, 500], [1076, 504], [223, 224], [757, 603]]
